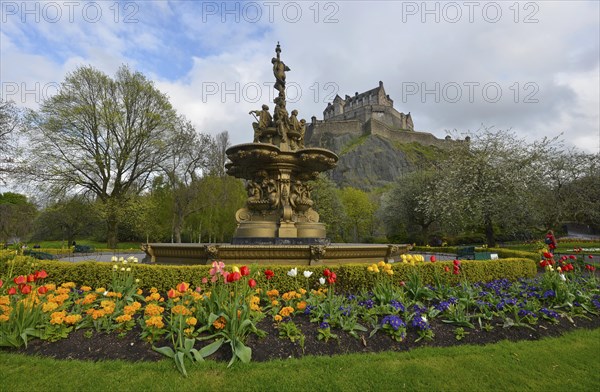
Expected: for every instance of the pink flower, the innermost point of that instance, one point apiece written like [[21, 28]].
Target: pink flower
[[217, 268]]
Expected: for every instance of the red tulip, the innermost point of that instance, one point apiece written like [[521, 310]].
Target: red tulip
[[572, 257], [432, 258], [20, 279], [233, 277], [456, 262], [269, 274], [590, 257], [326, 273], [30, 278], [172, 293], [26, 289], [446, 268], [244, 270], [331, 278], [1, 283], [12, 291], [182, 287], [41, 274], [252, 283], [402, 284], [42, 290], [548, 255]]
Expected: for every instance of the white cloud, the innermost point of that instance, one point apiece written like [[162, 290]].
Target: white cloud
[[187, 51]]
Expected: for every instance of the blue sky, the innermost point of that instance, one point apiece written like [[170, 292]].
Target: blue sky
[[529, 66]]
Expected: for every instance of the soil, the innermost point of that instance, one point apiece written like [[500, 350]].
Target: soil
[[94, 346]]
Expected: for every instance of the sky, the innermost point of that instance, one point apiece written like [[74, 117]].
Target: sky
[[530, 66]]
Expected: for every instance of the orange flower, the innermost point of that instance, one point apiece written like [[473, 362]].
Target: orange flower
[[191, 321], [73, 319], [219, 323], [153, 310], [180, 309], [123, 318], [155, 321], [286, 311], [182, 287]]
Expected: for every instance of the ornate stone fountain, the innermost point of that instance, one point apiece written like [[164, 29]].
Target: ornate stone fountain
[[277, 168], [278, 224]]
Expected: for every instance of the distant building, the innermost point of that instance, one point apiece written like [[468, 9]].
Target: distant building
[[368, 113]]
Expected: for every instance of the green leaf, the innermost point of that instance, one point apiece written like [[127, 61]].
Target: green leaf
[[211, 348], [179, 357], [243, 352], [197, 356], [166, 351], [189, 344]]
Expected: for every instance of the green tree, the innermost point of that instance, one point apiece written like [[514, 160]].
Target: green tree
[[404, 217], [359, 212], [16, 216], [66, 219], [102, 136], [329, 206], [222, 197]]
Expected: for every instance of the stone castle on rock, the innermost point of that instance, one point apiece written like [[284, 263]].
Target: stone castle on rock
[[368, 113]]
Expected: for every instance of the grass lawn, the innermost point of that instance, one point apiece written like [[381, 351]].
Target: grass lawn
[[95, 244], [563, 247], [570, 362]]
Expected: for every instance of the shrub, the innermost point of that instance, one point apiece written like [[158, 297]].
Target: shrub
[[351, 277]]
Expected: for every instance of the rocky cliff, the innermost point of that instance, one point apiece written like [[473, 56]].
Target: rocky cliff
[[372, 161]]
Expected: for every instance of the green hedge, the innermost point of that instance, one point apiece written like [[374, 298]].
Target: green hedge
[[503, 253], [351, 277]]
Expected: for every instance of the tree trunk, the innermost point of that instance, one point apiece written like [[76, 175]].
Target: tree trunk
[[489, 232], [112, 231], [177, 227]]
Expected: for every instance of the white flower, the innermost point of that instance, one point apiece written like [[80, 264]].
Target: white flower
[[121, 259], [122, 269], [562, 277], [135, 260], [137, 281], [124, 261], [307, 274], [115, 267], [424, 319], [128, 269], [322, 280], [105, 293], [293, 272], [114, 259]]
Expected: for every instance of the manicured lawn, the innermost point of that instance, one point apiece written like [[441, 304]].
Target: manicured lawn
[[570, 362], [95, 244], [563, 246]]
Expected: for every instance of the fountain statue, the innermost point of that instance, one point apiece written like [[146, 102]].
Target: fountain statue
[[278, 224], [277, 168]]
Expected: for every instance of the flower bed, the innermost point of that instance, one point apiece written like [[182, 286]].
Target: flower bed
[[227, 307]]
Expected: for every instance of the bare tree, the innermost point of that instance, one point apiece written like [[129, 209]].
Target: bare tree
[[103, 136], [183, 170], [9, 122]]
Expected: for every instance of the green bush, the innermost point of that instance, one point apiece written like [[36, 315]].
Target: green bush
[[350, 277]]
